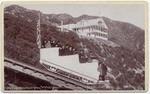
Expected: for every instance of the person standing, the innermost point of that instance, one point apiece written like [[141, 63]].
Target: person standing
[[48, 45], [103, 71]]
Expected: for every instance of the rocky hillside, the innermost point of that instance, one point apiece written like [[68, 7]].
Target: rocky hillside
[[124, 58], [122, 33], [125, 34]]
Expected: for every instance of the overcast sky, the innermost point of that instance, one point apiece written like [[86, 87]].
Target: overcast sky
[[132, 13]]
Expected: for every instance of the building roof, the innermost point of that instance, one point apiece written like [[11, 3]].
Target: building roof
[[86, 23], [91, 22]]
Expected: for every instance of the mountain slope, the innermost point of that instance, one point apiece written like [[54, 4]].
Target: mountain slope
[[85, 17], [122, 33], [125, 65], [125, 34]]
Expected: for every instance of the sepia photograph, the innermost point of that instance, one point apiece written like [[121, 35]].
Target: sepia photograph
[[74, 46]]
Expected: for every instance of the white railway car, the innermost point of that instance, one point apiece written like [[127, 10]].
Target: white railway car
[[69, 66]]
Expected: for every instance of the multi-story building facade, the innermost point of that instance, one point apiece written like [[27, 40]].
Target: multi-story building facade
[[91, 28]]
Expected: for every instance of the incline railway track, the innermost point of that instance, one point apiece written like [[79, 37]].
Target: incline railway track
[[48, 76]]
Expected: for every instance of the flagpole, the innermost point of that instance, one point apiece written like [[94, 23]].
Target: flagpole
[[39, 33], [40, 29], [38, 40], [39, 37]]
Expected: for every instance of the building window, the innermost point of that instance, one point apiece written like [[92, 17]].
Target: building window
[[100, 34]]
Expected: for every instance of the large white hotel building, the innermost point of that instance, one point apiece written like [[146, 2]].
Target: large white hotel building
[[95, 28]]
